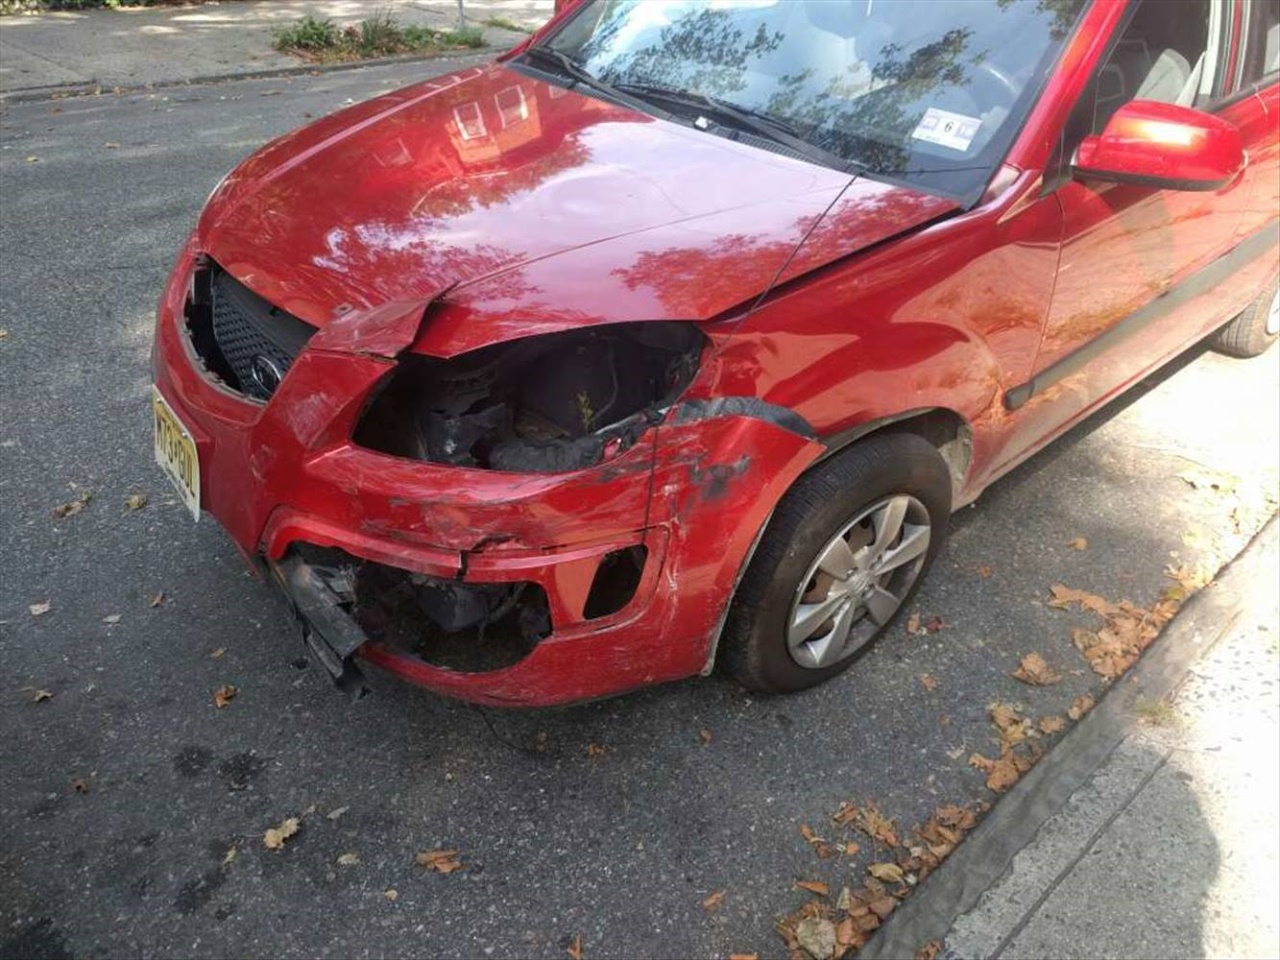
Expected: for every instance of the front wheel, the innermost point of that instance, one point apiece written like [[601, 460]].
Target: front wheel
[[845, 550]]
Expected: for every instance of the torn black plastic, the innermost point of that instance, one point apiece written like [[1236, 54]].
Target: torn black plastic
[[322, 597], [546, 404]]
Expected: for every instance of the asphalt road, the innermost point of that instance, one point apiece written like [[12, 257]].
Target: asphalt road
[[621, 847]]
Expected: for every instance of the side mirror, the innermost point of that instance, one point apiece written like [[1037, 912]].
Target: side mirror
[[1162, 146]]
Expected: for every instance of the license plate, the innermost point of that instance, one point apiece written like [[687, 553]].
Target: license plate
[[176, 453]]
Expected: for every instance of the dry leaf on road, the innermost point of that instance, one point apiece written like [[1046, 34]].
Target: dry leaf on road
[[1062, 597], [36, 695], [1052, 724], [348, 859], [71, 508], [1080, 706], [441, 861], [913, 625], [391, 893], [887, 872], [1034, 670], [111, 619], [713, 901], [156, 599], [40, 609], [813, 886], [274, 837], [928, 681], [135, 501], [1079, 543], [817, 936], [930, 950], [595, 750], [934, 624], [224, 695], [575, 947], [704, 735]]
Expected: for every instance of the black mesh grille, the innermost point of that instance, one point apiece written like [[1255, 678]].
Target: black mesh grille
[[256, 341]]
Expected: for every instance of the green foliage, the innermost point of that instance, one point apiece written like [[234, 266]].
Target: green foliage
[[377, 36], [504, 23], [309, 33]]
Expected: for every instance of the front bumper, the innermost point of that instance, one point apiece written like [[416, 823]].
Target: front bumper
[[694, 492]]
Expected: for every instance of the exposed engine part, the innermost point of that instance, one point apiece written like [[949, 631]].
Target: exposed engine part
[[343, 602], [545, 404]]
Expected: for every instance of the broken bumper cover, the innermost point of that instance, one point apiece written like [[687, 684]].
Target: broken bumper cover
[[692, 493]]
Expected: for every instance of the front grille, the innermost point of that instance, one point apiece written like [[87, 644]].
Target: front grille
[[242, 338]]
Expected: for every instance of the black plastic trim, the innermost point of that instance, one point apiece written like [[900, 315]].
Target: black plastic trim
[[754, 408]]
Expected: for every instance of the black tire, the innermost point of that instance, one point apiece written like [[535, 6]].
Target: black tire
[[1246, 336], [753, 648]]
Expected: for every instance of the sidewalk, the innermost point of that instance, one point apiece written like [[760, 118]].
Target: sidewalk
[[144, 46], [1151, 831]]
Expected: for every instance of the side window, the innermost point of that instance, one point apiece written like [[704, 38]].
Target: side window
[[1166, 56], [1261, 32]]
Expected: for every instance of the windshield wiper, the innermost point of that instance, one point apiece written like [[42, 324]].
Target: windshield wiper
[[549, 56], [755, 121]]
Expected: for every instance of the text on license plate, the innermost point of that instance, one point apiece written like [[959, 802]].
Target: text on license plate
[[176, 452]]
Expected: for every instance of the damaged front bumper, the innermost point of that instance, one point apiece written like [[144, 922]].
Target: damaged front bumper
[[581, 584]]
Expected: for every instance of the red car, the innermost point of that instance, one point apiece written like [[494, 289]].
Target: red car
[[673, 337]]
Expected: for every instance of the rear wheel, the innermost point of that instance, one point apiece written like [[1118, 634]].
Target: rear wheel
[[845, 550], [1254, 330]]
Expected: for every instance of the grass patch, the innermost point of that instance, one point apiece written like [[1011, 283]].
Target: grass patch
[[380, 35], [503, 23], [1156, 713]]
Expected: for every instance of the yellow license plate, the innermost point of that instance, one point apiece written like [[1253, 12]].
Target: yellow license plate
[[176, 453]]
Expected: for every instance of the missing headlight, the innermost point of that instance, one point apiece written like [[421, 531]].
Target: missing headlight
[[545, 404]]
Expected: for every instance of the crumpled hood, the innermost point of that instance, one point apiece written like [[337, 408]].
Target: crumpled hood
[[540, 207]]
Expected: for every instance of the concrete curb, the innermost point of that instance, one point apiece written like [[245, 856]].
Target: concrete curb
[[1017, 819], [90, 89]]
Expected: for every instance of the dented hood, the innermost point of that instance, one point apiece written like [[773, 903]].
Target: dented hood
[[537, 207]]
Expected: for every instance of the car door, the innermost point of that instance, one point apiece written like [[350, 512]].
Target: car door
[[1254, 82], [1124, 245]]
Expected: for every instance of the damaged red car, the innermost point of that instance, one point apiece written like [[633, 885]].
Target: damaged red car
[[673, 337]]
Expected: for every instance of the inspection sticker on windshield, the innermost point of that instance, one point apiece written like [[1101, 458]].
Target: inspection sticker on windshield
[[953, 130]]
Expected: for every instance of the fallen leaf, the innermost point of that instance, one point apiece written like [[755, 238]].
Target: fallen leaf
[[111, 145], [954, 815], [817, 936], [913, 625], [847, 934], [441, 861], [877, 826], [36, 695], [391, 893], [851, 849], [845, 900], [575, 947], [807, 832], [883, 906], [934, 624], [887, 872], [595, 750], [230, 855], [348, 859], [33, 159], [928, 682], [1080, 706], [930, 950], [1062, 598], [136, 501], [1003, 772], [71, 508], [335, 814], [224, 695], [846, 814], [1079, 543], [111, 619], [1013, 728], [705, 736], [1052, 724], [713, 901], [813, 886], [217, 654], [40, 609], [156, 599], [274, 837], [79, 785], [744, 956], [1034, 670], [984, 571]]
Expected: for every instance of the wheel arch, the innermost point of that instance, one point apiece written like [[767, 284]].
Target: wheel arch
[[947, 431]]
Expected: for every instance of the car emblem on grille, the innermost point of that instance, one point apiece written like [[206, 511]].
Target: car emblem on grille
[[265, 373]]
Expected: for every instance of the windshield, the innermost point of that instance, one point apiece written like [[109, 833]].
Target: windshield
[[925, 91]]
